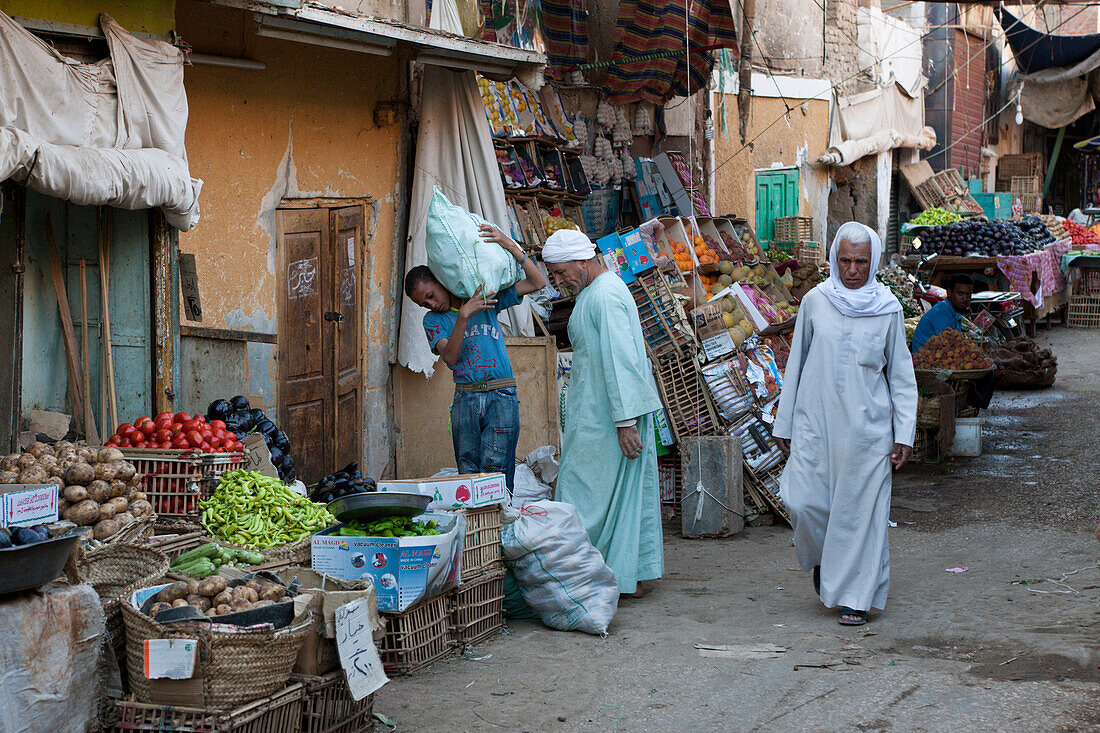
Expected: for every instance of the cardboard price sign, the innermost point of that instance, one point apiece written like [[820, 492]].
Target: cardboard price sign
[[257, 456], [358, 655]]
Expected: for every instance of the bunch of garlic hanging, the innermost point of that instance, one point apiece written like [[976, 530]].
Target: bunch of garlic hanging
[[605, 115], [630, 173], [644, 122], [621, 132]]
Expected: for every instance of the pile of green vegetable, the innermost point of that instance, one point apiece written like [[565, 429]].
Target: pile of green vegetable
[[208, 559], [934, 217], [390, 527], [258, 512]]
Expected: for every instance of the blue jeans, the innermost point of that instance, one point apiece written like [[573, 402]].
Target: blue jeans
[[485, 431]]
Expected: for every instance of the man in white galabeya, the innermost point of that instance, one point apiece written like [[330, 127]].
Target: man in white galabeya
[[847, 412], [609, 453]]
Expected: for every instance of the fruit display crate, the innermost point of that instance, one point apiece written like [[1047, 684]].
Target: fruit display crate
[[793, 228], [665, 326], [1083, 312], [477, 609], [175, 481], [330, 708], [481, 545], [687, 402], [278, 713], [417, 637]]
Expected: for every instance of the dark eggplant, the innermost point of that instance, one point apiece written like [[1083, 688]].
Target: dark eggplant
[[42, 530], [277, 456], [5, 538], [25, 536], [267, 428], [239, 402], [218, 410], [257, 414], [282, 442]]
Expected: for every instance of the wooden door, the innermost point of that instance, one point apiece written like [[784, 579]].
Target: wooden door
[[776, 196], [347, 227], [319, 342]]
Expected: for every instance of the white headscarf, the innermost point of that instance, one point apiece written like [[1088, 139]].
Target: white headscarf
[[567, 245], [872, 298]]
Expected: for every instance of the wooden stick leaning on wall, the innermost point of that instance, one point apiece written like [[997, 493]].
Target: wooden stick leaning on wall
[[72, 356], [104, 221], [85, 365]]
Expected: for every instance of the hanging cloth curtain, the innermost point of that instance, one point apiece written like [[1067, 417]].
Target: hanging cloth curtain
[[454, 150]]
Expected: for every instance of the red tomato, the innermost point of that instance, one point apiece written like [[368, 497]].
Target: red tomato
[[114, 441], [138, 439], [162, 416], [207, 448], [142, 419], [124, 443], [194, 437], [148, 427], [190, 425], [238, 446], [201, 419], [124, 427], [217, 425], [207, 436], [230, 435], [179, 441], [176, 427], [218, 433], [163, 422], [164, 434], [182, 417], [165, 445]]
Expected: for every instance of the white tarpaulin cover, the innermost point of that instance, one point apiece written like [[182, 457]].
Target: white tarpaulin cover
[[454, 150], [876, 121], [892, 48], [108, 133], [1057, 97]]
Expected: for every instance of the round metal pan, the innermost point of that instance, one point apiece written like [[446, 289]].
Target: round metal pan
[[378, 504]]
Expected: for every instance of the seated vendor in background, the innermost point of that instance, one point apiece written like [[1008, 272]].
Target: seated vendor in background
[[946, 314], [485, 410]]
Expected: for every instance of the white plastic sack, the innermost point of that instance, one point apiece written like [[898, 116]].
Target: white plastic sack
[[527, 487], [562, 576], [459, 257], [544, 463]]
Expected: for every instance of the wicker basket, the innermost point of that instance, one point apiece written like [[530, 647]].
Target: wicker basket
[[928, 411], [478, 609], [177, 480], [330, 708], [417, 637], [116, 570], [481, 545], [793, 228], [1083, 312], [235, 667], [277, 713]]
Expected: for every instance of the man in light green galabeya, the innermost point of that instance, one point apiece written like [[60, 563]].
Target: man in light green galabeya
[[609, 453]]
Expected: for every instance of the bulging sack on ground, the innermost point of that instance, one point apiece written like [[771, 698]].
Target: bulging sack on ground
[[527, 487], [562, 576], [459, 257]]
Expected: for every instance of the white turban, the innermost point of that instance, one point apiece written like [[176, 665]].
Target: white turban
[[567, 245]]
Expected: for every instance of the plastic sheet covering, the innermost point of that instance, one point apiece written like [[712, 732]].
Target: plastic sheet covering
[[107, 133], [454, 151], [50, 676]]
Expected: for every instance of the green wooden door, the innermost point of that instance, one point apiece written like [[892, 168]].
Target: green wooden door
[[776, 196], [45, 375]]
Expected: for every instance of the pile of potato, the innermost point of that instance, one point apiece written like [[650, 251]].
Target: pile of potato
[[214, 597], [98, 487], [805, 279]]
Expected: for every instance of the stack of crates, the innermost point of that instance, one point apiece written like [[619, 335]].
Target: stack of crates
[[477, 605]]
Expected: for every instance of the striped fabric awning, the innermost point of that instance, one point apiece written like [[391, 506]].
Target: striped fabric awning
[[646, 27]]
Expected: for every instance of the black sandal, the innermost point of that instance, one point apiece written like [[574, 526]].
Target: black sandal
[[817, 579], [858, 618]]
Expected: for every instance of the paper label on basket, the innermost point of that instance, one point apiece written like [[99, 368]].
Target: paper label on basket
[[358, 655], [170, 659]]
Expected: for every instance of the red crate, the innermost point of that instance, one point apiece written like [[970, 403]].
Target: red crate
[[177, 480]]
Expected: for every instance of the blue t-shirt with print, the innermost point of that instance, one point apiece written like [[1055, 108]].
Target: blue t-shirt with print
[[484, 357]]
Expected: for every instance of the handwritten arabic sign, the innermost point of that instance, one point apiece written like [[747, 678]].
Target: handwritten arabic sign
[[358, 655]]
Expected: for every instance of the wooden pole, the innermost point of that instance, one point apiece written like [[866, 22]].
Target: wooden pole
[[744, 89], [72, 356], [163, 241], [90, 431], [1053, 161], [105, 296]]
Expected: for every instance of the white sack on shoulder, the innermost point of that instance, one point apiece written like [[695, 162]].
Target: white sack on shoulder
[[459, 257], [561, 575]]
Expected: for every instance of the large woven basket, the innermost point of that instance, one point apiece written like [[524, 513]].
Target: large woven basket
[[116, 570], [235, 668], [928, 411]]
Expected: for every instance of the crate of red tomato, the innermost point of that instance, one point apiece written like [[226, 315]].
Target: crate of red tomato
[[180, 457]]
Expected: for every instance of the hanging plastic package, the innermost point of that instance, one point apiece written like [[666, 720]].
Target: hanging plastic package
[[459, 257]]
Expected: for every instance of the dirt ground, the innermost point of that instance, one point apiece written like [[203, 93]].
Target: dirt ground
[[1012, 644]]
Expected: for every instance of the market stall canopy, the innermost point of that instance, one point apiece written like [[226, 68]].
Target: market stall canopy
[[109, 133], [1035, 51], [312, 22]]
